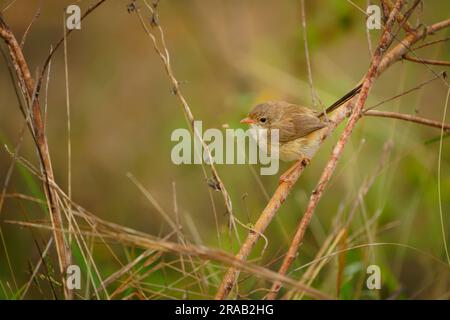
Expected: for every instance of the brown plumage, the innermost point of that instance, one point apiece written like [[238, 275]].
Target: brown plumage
[[298, 126], [293, 121]]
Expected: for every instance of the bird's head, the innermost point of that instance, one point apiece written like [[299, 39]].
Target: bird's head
[[263, 115]]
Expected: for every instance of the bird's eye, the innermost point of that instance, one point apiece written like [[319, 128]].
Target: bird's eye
[[262, 120]]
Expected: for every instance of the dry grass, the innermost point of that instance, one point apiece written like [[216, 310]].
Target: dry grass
[[178, 263]]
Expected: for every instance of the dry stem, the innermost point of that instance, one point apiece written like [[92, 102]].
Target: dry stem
[[38, 132], [427, 61], [408, 117], [163, 53]]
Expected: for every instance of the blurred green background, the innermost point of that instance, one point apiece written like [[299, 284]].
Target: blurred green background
[[229, 56]]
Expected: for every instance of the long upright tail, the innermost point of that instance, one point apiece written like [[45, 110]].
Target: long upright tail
[[343, 100]]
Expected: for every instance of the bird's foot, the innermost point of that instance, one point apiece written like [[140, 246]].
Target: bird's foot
[[288, 176]]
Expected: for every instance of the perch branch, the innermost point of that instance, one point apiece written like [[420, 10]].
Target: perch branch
[[385, 41], [408, 117], [427, 61]]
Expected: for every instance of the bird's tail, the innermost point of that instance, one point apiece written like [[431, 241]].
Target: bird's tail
[[342, 100]]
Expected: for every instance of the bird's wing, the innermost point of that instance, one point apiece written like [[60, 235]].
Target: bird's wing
[[302, 122]]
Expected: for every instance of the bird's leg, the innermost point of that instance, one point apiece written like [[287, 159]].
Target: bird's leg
[[287, 176]]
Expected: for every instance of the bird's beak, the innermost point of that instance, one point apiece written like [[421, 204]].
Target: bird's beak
[[248, 121]]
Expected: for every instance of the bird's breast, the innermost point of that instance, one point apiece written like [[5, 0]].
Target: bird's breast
[[304, 147], [291, 150]]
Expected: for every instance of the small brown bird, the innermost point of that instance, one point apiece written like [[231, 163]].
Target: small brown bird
[[299, 127]]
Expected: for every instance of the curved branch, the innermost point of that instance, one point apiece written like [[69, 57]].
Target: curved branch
[[59, 43], [426, 61], [408, 117]]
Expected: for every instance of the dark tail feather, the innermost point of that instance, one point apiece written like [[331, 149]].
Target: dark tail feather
[[342, 100]]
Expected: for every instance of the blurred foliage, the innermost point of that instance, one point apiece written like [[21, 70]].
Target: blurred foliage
[[229, 56]]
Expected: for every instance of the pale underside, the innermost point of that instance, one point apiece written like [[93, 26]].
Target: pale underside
[[300, 148]]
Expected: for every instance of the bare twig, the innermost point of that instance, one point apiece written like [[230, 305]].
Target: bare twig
[[9, 5], [385, 10], [430, 43], [405, 17], [38, 132], [408, 117], [261, 224], [25, 34], [396, 53], [314, 97], [317, 264], [60, 42], [163, 53], [427, 61]]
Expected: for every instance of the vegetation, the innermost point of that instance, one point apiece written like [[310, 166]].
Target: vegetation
[[87, 179]]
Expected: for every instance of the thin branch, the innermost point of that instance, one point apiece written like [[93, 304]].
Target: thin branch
[[60, 42], [163, 53], [384, 10], [408, 117], [36, 269], [25, 34], [24, 197], [427, 44], [408, 14], [406, 45], [396, 53], [385, 41], [314, 97], [9, 5], [284, 188], [427, 61], [130, 237], [441, 216], [417, 87]]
